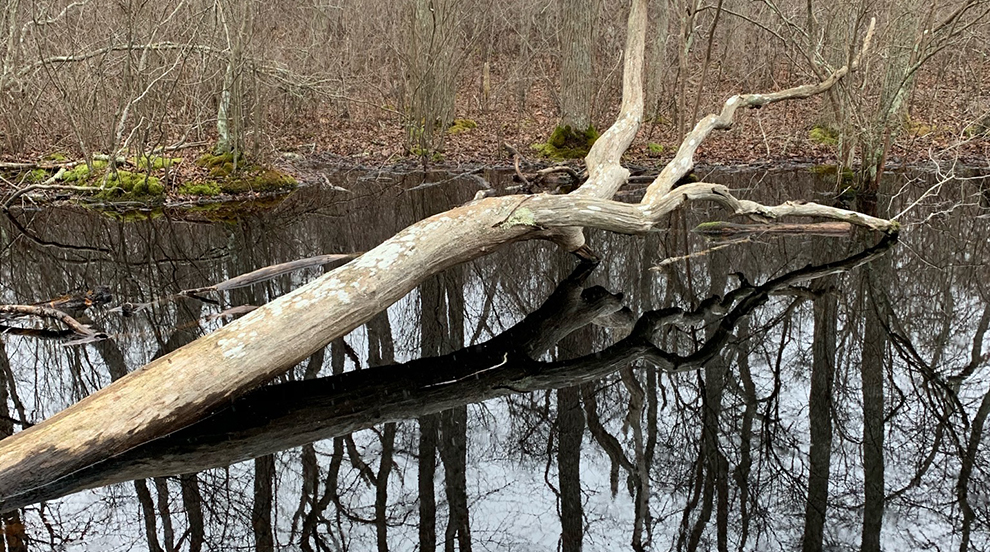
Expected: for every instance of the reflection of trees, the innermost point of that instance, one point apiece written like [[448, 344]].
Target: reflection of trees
[[738, 436]]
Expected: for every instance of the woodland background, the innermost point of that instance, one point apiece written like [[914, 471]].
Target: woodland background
[[380, 81]]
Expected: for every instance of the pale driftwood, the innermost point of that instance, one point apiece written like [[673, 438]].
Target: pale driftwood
[[54, 314], [179, 388], [282, 416], [727, 229], [273, 271], [242, 280]]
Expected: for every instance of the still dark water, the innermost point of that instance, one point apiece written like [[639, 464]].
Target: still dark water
[[522, 402]]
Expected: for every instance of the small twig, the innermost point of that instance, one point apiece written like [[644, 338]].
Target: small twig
[[672, 260], [516, 158], [543, 173]]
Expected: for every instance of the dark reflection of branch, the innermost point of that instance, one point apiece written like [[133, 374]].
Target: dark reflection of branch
[[283, 416], [47, 243]]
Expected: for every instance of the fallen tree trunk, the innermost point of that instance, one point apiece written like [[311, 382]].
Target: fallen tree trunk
[[279, 417], [175, 390]]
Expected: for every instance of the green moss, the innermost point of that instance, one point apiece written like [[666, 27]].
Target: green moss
[[129, 185], [259, 180], [566, 143], [917, 127], [521, 216], [81, 172], [200, 188], [655, 148], [822, 134], [712, 228], [133, 215], [236, 175], [56, 158], [461, 125], [222, 161], [230, 211], [832, 170], [154, 162], [35, 176]]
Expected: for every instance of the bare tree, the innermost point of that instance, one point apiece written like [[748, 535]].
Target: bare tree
[[579, 19], [277, 336]]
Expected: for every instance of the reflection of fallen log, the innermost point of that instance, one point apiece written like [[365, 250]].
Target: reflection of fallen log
[[283, 416]]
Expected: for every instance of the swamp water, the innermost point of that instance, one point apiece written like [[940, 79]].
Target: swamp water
[[523, 402]]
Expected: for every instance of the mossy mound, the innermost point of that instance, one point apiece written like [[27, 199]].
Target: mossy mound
[[32, 176], [56, 158], [118, 184], [566, 143], [81, 172], [825, 135], [832, 170], [133, 215], [461, 125], [128, 185], [229, 211], [235, 174], [200, 188], [154, 162]]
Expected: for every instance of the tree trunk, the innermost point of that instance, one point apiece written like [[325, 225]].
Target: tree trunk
[[431, 73], [872, 371], [261, 508], [148, 515], [577, 72], [193, 501], [284, 416], [428, 428], [570, 423], [820, 413], [181, 387]]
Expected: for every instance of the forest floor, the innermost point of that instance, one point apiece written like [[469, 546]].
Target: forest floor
[[936, 131]]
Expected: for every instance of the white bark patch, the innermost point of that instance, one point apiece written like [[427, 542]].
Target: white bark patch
[[231, 348], [384, 255]]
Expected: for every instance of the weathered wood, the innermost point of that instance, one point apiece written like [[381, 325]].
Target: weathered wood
[[55, 314], [731, 229], [288, 415], [177, 389], [243, 280]]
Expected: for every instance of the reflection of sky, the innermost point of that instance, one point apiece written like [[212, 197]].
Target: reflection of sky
[[511, 505]]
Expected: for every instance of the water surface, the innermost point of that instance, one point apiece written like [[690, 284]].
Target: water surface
[[523, 401]]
